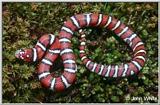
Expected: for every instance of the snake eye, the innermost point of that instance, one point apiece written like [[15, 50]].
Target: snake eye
[[27, 56]]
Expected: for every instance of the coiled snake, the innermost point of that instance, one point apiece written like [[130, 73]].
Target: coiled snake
[[62, 46]]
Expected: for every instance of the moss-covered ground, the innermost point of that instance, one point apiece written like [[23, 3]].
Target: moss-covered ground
[[24, 23]]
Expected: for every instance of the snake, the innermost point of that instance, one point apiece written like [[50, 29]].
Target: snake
[[49, 47]]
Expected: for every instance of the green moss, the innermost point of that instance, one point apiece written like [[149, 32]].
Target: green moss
[[24, 23]]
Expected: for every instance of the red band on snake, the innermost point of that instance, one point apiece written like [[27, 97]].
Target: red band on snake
[[63, 46]]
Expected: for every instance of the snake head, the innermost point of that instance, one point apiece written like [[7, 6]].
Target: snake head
[[24, 54]]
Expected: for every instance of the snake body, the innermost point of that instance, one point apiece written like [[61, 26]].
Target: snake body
[[62, 46]]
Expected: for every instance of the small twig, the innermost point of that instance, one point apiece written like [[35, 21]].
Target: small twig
[[129, 19], [38, 101]]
